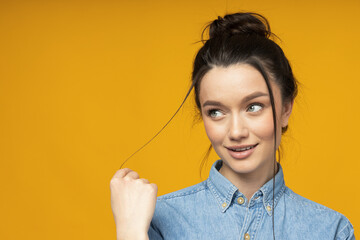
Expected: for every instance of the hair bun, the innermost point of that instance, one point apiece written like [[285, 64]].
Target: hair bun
[[245, 23]]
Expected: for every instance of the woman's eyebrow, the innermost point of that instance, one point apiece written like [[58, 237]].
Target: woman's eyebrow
[[246, 99], [254, 95]]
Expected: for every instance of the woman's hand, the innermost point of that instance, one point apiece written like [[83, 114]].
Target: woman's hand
[[133, 201]]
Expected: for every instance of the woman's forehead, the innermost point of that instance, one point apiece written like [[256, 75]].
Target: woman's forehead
[[233, 82]]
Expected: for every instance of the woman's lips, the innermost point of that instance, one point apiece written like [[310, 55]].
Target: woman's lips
[[242, 154]]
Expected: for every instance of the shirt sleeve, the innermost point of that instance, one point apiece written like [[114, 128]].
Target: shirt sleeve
[[346, 232], [154, 233]]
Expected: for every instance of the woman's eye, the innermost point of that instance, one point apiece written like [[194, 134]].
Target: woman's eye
[[255, 107], [214, 113]]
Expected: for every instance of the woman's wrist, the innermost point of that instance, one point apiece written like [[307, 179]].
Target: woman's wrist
[[132, 236]]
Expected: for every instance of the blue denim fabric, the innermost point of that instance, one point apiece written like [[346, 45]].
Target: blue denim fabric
[[213, 209]]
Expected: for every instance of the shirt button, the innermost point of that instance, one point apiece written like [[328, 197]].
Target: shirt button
[[247, 236], [224, 204], [240, 200], [268, 208]]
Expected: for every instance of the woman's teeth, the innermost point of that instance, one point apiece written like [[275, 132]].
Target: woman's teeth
[[242, 149]]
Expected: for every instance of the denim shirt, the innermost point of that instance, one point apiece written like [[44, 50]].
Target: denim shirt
[[216, 209]]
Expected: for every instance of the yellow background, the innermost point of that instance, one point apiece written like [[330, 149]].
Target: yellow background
[[84, 84]]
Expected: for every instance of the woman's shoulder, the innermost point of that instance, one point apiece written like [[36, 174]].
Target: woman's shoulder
[[179, 206], [186, 192], [306, 203], [313, 212]]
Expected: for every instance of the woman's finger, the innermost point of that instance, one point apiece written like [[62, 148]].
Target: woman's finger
[[132, 174], [144, 180], [122, 172]]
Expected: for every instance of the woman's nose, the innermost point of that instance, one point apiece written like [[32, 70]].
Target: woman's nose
[[238, 128]]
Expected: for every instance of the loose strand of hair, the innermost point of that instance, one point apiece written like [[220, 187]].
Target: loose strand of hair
[[204, 160], [191, 87], [261, 69]]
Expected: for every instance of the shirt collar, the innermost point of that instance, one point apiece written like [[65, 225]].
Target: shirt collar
[[224, 190]]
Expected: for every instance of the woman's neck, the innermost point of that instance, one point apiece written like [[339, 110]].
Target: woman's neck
[[249, 183]]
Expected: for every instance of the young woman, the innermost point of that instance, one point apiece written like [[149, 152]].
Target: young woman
[[244, 90]]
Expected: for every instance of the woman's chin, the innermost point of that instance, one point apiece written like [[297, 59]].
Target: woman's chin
[[239, 167]]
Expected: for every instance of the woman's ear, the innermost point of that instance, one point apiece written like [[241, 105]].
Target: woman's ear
[[286, 112]]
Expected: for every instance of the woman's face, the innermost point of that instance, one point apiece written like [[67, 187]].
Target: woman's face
[[237, 113]]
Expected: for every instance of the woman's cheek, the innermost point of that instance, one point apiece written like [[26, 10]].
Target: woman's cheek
[[214, 131], [263, 128]]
